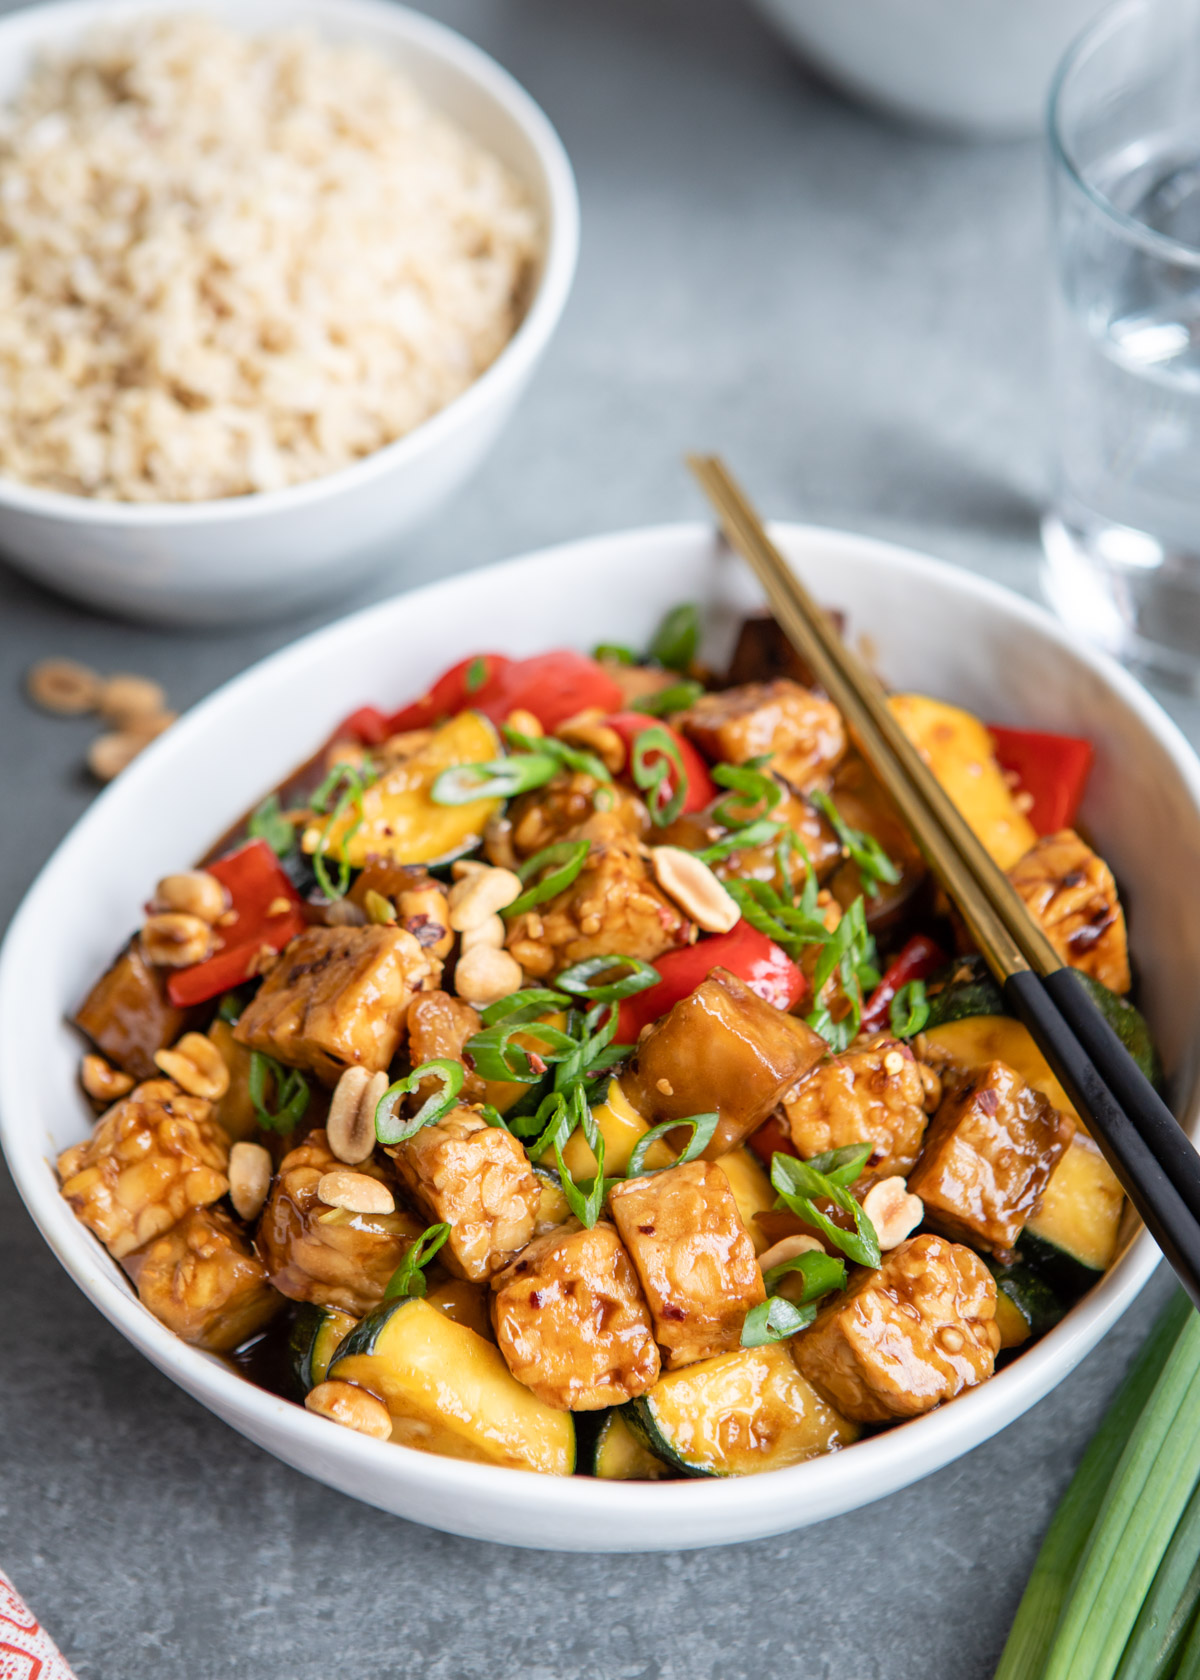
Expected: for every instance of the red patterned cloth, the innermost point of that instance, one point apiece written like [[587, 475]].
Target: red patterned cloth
[[27, 1651]]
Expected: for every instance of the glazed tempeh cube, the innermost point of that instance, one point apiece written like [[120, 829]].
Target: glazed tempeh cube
[[906, 1337], [1071, 893], [693, 1256], [801, 733], [869, 1094], [478, 1180], [337, 998], [988, 1156], [203, 1280], [572, 1323], [152, 1158]]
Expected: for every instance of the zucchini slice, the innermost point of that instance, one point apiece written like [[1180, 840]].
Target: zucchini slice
[[751, 1191], [1073, 1236], [553, 1208], [966, 988], [450, 1392], [618, 1455], [1026, 1306], [737, 1414], [1129, 1024], [313, 1340], [620, 1126], [973, 1042]]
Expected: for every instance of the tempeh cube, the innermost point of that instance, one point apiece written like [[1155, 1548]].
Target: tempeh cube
[[693, 1256], [872, 1094], [203, 1280], [323, 1254], [1071, 893], [905, 1337], [337, 998], [153, 1157], [988, 1156], [477, 1179], [800, 732], [572, 1323]]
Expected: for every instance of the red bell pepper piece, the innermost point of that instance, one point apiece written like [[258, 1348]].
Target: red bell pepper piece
[[255, 882], [368, 725], [920, 958], [743, 951], [471, 682], [1052, 769], [772, 1138], [701, 790], [553, 686]]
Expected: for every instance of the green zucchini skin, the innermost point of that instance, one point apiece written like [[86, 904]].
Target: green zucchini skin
[[640, 1418], [1062, 1273], [973, 993], [1129, 1024], [309, 1324], [366, 1332], [1038, 1304], [608, 1454]]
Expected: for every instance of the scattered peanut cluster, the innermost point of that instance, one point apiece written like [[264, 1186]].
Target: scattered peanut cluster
[[135, 708]]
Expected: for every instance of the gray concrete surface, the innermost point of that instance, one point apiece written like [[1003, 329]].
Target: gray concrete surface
[[855, 315]]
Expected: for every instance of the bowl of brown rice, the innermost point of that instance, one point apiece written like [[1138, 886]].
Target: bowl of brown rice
[[273, 276]]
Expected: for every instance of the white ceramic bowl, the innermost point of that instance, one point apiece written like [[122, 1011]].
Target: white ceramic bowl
[[978, 66], [935, 629], [265, 555]]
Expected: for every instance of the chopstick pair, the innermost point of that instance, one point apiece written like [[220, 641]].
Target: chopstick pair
[[1143, 1143]]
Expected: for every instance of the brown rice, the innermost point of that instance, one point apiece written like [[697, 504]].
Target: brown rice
[[230, 264]]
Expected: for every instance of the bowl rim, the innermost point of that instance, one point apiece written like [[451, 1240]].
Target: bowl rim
[[560, 255], [765, 1504]]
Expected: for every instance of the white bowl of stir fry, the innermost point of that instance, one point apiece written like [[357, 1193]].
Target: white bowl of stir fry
[[562, 1112]]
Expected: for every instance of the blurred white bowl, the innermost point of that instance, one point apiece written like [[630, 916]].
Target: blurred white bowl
[[932, 627], [265, 555], [978, 66]]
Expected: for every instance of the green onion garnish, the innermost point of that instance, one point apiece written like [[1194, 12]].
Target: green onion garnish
[[677, 698], [774, 1320], [754, 794], [703, 1126], [820, 1271], [291, 1092], [476, 675], [602, 980], [409, 1277], [617, 652], [779, 1316], [874, 865], [797, 1183], [585, 1205], [565, 859], [763, 833], [391, 1128], [269, 823], [494, 1055], [494, 778], [909, 1010], [565, 755], [677, 638], [653, 759], [354, 781]]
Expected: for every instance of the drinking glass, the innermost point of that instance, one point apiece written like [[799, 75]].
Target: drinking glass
[[1122, 539]]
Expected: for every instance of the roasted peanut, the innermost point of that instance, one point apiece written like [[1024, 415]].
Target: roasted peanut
[[524, 723], [491, 933], [196, 1066], [485, 975], [353, 1407], [62, 686], [343, 912], [129, 701], [480, 895], [462, 867], [588, 732], [174, 939], [350, 1128], [194, 892], [931, 1082], [894, 1213], [354, 1191], [102, 1081], [249, 1178], [787, 1248], [694, 888]]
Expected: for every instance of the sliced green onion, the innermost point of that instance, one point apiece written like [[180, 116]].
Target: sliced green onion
[[585, 1205], [842, 1166], [874, 865], [1141, 1507], [230, 1009], [595, 1050], [269, 823], [703, 1126], [568, 855], [565, 756], [654, 757], [617, 652], [290, 1089], [391, 1128], [820, 1271], [797, 1182], [495, 1055], [476, 675], [774, 1320], [583, 976], [494, 778], [909, 1010], [409, 1277], [677, 638], [677, 698], [1032, 1632], [532, 1002], [354, 781], [763, 833], [751, 789]]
